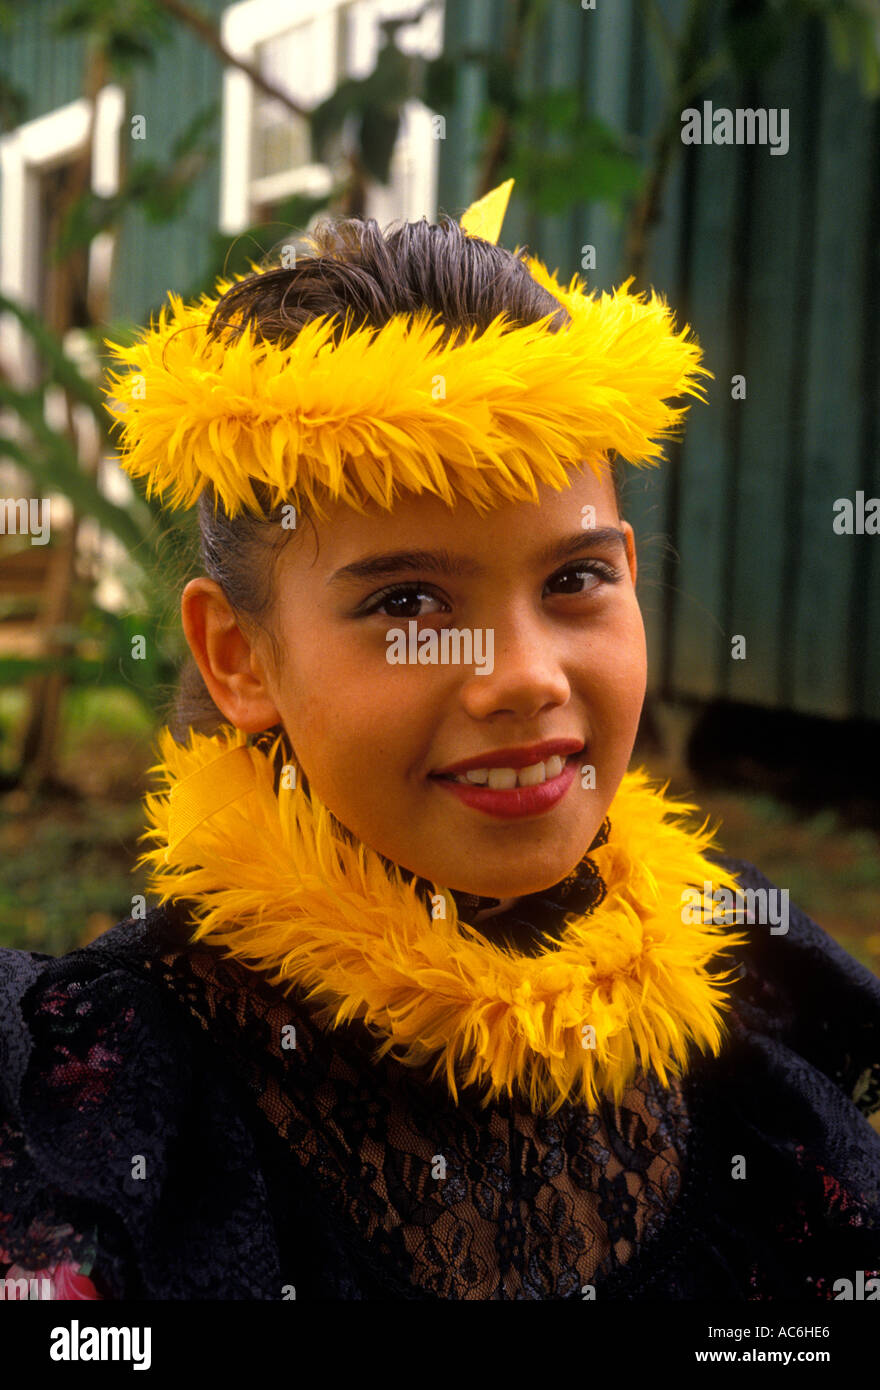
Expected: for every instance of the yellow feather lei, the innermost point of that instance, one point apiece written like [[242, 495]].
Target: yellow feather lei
[[273, 883]]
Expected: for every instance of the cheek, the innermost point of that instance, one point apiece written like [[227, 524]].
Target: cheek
[[614, 701], [633, 660], [343, 714], [616, 671]]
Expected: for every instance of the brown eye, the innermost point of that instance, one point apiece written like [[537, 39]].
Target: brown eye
[[403, 602], [582, 578]]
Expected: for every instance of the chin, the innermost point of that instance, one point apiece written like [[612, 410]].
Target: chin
[[513, 884]]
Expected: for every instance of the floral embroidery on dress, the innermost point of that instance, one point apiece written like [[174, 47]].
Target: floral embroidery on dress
[[62, 1280]]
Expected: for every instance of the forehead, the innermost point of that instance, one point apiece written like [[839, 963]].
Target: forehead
[[421, 522]]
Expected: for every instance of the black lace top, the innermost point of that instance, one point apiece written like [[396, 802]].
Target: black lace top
[[173, 1127]]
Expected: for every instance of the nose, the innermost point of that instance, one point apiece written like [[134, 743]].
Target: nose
[[527, 674]]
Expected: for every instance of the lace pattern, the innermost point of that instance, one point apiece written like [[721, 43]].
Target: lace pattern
[[455, 1201]]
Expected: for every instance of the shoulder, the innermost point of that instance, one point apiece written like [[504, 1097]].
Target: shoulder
[[73, 1026], [111, 1104], [805, 1022], [798, 988], [85, 1042], [783, 1109]]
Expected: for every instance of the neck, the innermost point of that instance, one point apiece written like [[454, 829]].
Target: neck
[[503, 906]]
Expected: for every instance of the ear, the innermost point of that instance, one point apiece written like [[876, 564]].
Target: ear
[[233, 670], [630, 550]]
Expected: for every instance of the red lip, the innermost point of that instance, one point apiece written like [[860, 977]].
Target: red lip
[[524, 756], [517, 801]]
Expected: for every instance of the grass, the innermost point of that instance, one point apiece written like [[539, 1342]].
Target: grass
[[831, 871], [67, 860]]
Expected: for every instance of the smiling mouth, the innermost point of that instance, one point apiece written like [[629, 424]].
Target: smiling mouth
[[504, 779], [513, 793]]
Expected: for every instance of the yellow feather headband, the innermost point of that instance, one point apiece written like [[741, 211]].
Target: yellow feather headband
[[486, 419]]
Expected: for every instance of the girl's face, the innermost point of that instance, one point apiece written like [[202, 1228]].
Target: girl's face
[[561, 652]]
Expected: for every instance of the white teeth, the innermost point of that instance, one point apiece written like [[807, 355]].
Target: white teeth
[[532, 776], [478, 775], [504, 779]]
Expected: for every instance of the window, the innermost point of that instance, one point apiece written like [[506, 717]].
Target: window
[[36, 162], [307, 47]]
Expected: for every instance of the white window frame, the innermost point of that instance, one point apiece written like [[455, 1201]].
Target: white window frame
[[28, 152], [25, 154], [244, 27]]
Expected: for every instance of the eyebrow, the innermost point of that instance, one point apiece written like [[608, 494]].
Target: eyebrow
[[445, 563]]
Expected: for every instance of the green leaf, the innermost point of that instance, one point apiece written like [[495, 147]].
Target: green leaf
[[329, 117], [501, 84], [378, 135], [393, 80], [854, 36], [57, 466], [298, 210], [595, 168], [88, 215], [756, 40], [14, 670], [870, 68], [557, 109], [127, 31], [439, 83], [13, 104], [58, 469], [62, 369], [164, 193], [160, 192], [78, 18], [126, 51], [203, 121], [376, 100]]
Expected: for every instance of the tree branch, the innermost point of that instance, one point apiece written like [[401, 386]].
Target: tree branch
[[204, 29]]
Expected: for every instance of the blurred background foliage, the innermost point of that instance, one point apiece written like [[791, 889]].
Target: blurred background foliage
[[77, 713]]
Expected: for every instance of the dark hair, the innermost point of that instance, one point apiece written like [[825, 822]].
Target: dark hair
[[352, 269]]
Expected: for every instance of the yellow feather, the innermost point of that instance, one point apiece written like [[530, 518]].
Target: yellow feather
[[316, 420], [273, 887]]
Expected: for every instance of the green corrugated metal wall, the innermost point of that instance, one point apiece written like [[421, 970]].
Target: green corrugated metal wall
[[154, 258], [50, 73], [151, 257], [774, 261]]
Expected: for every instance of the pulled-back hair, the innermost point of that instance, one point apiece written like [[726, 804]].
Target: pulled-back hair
[[353, 269]]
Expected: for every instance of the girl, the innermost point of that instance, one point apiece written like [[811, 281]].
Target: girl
[[438, 1001]]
